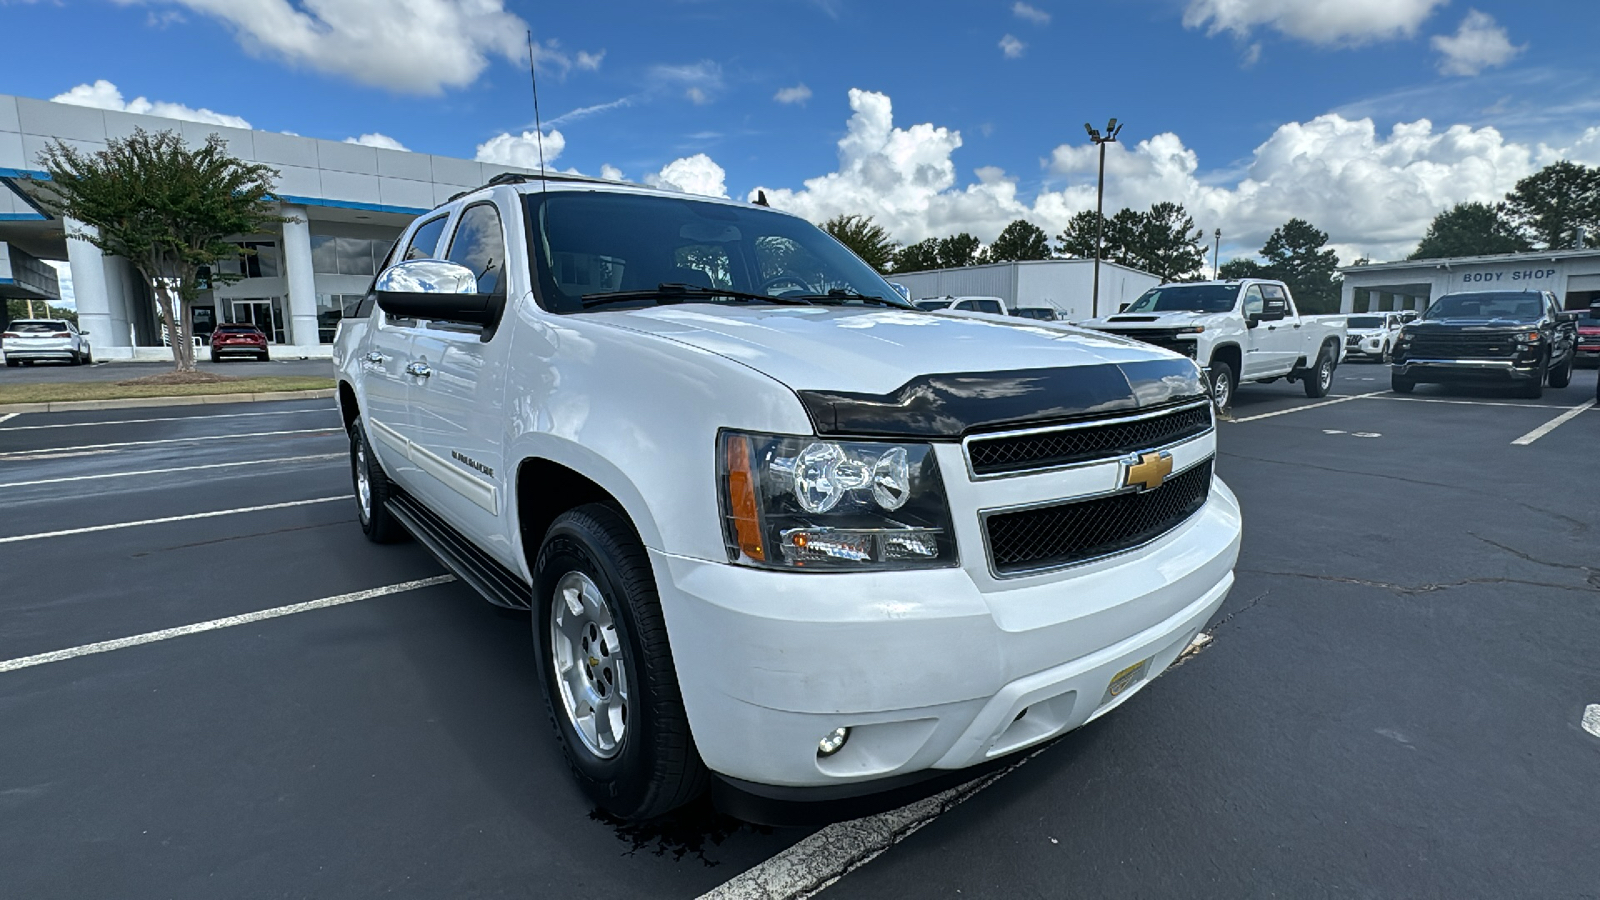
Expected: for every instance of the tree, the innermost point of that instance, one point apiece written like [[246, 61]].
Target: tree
[[1471, 229], [958, 251], [1167, 244], [1119, 234], [164, 207], [1235, 269], [866, 238], [1295, 256], [1550, 205], [918, 257], [1020, 240]]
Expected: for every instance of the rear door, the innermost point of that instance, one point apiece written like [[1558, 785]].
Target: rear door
[[457, 414]]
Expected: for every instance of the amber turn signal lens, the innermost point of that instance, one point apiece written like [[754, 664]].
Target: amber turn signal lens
[[742, 498]]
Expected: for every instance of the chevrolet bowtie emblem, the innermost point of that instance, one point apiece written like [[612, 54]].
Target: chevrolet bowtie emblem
[[1147, 471]]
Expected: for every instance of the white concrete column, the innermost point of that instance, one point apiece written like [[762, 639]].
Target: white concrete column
[[298, 275], [1347, 297], [88, 267]]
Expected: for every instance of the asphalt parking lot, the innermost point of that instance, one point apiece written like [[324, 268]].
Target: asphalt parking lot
[[1391, 702]]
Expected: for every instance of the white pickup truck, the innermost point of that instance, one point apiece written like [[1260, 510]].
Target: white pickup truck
[[780, 531], [1247, 330]]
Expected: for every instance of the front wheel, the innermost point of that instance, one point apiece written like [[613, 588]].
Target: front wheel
[[1533, 388], [13, 363], [610, 685], [1320, 379], [1561, 376], [1400, 384], [372, 490], [1223, 381]]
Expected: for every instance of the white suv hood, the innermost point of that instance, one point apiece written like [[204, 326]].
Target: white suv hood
[[874, 350]]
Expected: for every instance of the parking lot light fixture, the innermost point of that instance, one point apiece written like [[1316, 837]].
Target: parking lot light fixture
[[1109, 137]]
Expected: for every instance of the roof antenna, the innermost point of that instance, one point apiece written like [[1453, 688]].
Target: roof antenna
[[538, 125], [761, 198]]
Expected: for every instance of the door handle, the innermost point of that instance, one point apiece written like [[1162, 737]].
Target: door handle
[[419, 369], [1297, 324], [375, 358]]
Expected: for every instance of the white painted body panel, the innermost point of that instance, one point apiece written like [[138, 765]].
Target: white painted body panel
[[929, 667]]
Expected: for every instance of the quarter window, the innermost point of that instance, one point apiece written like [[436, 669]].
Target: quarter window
[[480, 245]]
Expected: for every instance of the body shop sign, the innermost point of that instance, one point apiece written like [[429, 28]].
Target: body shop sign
[[1508, 277]]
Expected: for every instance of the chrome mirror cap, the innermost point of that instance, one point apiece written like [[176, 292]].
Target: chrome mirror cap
[[427, 276]]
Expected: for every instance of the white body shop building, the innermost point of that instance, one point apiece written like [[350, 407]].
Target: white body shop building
[[1572, 275], [1065, 285], [350, 202]]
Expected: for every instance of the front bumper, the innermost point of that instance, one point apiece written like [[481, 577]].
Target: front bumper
[[928, 671], [1476, 370]]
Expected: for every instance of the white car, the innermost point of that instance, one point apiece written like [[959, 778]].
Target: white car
[[34, 340], [776, 526], [1372, 336], [1238, 331], [993, 305]]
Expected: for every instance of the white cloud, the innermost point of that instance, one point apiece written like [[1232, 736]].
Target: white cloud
[[412, 46], [375, 139], [104, 95], [589, 62], [1477, 45], [1374, 192], [611, 173], [1012, 47], [797, 94], [695, 174], [1317, 21], [521, 150], [583, 112], [699, 81], [69, 297], [1032, 13]]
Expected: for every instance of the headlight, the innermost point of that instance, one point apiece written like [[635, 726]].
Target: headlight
[[1527, 337], [1191, 329], [816, 504]]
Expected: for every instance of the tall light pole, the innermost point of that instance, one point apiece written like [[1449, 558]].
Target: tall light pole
[[1216, 259], [1110, 137]]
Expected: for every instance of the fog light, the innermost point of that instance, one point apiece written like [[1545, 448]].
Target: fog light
[[834, 742]]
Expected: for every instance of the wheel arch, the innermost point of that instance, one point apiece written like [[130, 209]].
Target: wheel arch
[[547, 486], [1230, 354], [349, 406]]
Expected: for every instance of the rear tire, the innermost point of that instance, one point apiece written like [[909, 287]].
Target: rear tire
[[372, 490], [606, 667], [1223, 383], [88, 357], [265, 356], [76, 360], [214, 357], [1320, 379], [1562, 376], [1400, 384], [13, 363]]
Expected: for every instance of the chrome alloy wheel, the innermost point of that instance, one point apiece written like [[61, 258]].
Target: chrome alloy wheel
[[590, 664], [363, 481], [1325, 375], [1221, 392]]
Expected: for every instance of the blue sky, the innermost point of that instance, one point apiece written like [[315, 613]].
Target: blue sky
[[1248, 111]]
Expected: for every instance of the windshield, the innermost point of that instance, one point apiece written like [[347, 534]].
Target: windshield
[[931, 305], [1210, 298], [37, 327], [1513, 307], [592, 243], [1364, 322]]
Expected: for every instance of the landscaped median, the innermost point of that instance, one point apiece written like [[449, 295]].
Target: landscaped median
[[157, 391]]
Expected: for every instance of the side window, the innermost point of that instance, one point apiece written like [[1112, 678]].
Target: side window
[[480, 245], [990, 306], [1252, 300], [425, 242]]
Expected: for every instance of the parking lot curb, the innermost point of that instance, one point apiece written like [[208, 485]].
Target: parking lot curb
[[138, 402]]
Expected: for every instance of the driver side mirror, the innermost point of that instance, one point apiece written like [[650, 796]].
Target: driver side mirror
[[1123, 307], [433, 289], [1252, 320], [83, 334]]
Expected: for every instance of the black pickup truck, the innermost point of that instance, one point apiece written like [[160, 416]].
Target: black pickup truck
[[1520, 338]]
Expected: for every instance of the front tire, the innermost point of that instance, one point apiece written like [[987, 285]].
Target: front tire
[[1400, 384], [1320, 379], [1533, 388], [1223, 382], [372, 490], [13, 363], [610, 685], [1562, 376]]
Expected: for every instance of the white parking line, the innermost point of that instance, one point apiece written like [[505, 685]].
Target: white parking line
[[1285, 412], [150, 637], [1552, 425], [12, 454], [6, 417], [192, 516], [284, 412], [227, 465], [1591, 719], [1466, 402]]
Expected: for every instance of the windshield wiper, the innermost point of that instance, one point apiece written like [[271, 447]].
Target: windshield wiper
[[838, 297], [675, 292]]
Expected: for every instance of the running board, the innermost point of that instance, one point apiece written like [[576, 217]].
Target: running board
[[498, 584]]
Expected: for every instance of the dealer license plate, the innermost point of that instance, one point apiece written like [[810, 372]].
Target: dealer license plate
[[1127, 678]]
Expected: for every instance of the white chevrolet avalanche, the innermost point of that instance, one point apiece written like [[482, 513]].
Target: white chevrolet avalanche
[[778, 528]]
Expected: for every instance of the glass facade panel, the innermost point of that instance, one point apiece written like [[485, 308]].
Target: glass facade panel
[[355, 256], [330, 309], [324, 255]]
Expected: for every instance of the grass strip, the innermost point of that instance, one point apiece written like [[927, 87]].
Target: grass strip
[[61, 391]]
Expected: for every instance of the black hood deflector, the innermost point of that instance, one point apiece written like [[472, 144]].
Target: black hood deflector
[[955, 405]]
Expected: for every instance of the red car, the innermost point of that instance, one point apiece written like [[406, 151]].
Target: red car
[[238, 340], [1589, 335]]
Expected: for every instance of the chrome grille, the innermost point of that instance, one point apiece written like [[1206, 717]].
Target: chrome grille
[[1067, 533], [1084, 442], [1460, 346]]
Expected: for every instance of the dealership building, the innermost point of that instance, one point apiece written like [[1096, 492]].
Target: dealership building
[[1572, 275], [346, 204]]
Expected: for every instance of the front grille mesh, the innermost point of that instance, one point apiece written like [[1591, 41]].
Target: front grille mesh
[[1068, 533], [1047, 449], [1461, 346]]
